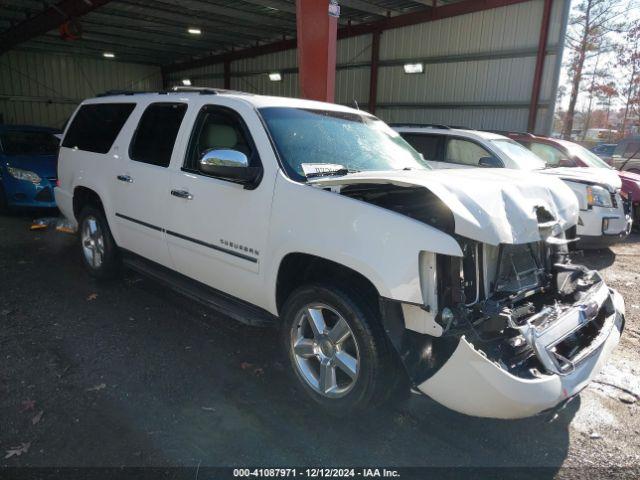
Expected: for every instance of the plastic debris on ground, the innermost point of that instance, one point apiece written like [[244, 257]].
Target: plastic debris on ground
[[61, 224]]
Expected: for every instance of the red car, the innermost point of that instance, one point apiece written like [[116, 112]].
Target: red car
[[562, 153]]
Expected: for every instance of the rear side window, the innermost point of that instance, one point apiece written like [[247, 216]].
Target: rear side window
[[427, 145], [95, 127], [15, 142], [156, 133]]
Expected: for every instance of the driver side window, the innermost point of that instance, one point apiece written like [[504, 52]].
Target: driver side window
[[465, 152], [551, 155], [219, 128]]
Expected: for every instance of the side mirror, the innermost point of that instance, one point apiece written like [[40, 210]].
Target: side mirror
[[229, 165], [489, 162]]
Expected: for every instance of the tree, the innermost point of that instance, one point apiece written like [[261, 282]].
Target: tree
[[598, 76], [629, 62], [605, 93], [591, 22]]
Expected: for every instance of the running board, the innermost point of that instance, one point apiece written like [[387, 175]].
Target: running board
[[221, 302]]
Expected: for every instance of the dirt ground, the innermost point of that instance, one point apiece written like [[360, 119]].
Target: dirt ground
[[130, 374]]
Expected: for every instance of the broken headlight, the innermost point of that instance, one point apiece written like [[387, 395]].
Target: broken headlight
[[459, 277], [520, 268]]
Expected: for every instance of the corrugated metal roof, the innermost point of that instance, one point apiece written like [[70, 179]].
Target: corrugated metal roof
[[155, 31]]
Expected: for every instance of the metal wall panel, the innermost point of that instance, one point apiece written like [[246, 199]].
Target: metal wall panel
[[480, 118], [45, 89], [496, 90], [251, 74], [479, 72], [479, 69]]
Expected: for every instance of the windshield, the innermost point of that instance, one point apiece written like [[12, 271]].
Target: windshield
[[524, 159], [342, 141], [590, 158], [29, 143]]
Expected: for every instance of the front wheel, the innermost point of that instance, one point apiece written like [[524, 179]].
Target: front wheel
[[337, 348], [99, 252]]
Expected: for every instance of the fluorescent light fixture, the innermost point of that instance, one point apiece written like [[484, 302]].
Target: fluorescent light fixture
[[109, 55], [413, 67], [186, 82], [194, 31], [275, 77]]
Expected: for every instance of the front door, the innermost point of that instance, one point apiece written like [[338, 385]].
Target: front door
[[217, 230]]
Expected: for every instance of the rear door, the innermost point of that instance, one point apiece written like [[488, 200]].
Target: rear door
[[141, 179]]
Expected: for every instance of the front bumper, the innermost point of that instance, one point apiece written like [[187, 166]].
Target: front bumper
[[21, 193], [600, 227], [469, 382]]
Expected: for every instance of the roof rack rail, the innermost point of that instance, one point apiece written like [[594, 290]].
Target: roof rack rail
[[421, 125], [200, 90], [111, 93], [506, 133], [207, 90]]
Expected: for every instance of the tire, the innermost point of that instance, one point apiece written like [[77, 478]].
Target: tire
[[312, 352], [98, 250]]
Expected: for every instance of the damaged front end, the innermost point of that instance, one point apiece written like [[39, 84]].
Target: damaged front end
[[522, 329], [507, 326]]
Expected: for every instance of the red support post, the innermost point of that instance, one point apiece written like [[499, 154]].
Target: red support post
[[540, 58], [373, 73], [317, 36], [422, 16]]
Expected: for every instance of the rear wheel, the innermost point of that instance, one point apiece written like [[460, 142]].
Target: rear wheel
[[99, 252], [337, 349]]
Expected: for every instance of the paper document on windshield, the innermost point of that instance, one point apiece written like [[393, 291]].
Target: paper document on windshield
[[320, 169]]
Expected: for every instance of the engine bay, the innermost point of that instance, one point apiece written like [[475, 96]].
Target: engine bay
[[510, 303]]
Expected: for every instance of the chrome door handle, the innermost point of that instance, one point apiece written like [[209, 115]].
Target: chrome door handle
[[125, 178], [182, 194]]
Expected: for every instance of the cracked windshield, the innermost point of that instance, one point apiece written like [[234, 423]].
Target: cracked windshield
[[341, 141]]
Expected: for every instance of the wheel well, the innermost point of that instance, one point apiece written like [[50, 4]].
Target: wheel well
[[83, 196], [297, 269]]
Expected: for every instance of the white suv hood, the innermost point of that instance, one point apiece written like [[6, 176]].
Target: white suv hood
[[488, 205], [600, 176]]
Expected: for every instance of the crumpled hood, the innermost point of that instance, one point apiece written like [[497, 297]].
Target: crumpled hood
[[601, 176], [488, 205]]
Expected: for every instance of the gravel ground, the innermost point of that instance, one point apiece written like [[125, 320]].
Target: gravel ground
[[129, 373]]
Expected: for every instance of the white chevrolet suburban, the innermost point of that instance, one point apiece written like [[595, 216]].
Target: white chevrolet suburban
[[322, 220], [604, 218]]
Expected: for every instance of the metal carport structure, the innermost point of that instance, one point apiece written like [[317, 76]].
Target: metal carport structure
[[486, 63]]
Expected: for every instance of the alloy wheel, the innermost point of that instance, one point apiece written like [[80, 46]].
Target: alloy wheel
[[325, 350], [92, 242]]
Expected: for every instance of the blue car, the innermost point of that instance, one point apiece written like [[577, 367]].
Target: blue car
[[28, 163]]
